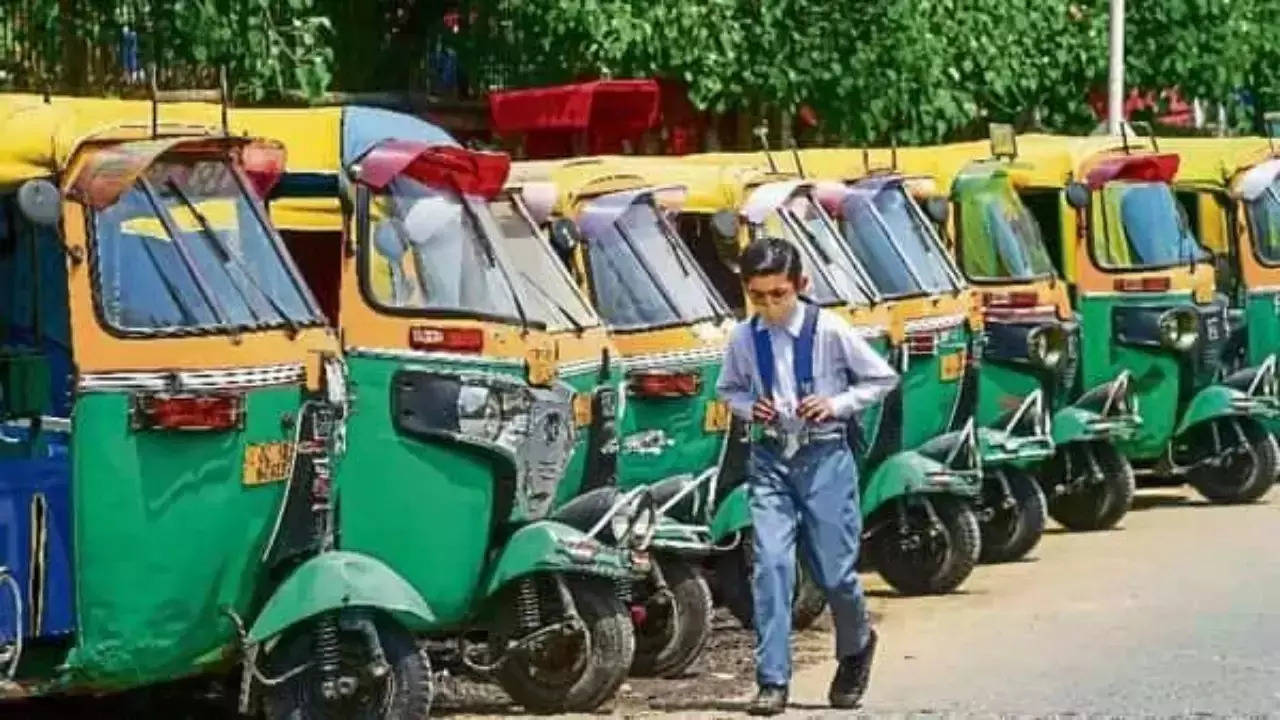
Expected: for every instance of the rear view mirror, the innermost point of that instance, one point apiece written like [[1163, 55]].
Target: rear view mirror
[[40, 202], [1077, 195], [725, 224], [938, 209], [565, 237]]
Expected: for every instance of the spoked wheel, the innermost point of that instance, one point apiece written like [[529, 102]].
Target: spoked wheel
[[1243, 462], [930, 547], [1090, 484], [672, 628], [1014, 515], [571, 666], [358, 685], [733, 582]]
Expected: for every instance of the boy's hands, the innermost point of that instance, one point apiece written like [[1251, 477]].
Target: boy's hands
[[763, 410], [816, 409]]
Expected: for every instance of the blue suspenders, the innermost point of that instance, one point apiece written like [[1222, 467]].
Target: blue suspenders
[[803, 355]]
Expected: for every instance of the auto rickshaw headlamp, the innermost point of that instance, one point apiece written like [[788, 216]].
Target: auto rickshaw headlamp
[[1046, 346], [1179, 329]]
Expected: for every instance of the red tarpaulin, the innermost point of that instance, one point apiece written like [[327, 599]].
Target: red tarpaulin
[[1152, 168], [606, 112], [442, 166]]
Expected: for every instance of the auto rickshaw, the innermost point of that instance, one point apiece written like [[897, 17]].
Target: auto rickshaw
[[172, 408], [670, 326], [1226, 186], [1143, 287], [901, 484], [484, 392], [1033, 335], [896, 243]]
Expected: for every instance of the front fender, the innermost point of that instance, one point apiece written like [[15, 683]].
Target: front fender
[[732, 514], [1217, 401], [998, 447], [336, 580], [911, 472], [550, 546]]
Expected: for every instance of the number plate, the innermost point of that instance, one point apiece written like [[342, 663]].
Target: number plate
[[266, 463], [718, 416], [952, 366]]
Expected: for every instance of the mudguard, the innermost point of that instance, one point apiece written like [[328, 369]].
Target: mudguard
[[910, 472], [1217, 401], [550, 546], [336, 580], [998, 447], [1105, 412], [732, 514]]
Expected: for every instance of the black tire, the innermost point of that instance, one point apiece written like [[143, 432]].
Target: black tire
[[733, 585], [675, 632], [1098, 503], [299, 697], [1248, 469], [921, 562], [589, 681], [1011, 532]]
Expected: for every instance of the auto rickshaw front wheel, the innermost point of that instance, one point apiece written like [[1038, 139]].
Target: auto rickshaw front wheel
[[358, 685], [571, 670], [1013, 515], [1090, 485], [1244, 464], [672, 625], [733, 585], [930, 547]]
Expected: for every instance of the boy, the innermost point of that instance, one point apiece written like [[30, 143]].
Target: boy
[[801, 373]]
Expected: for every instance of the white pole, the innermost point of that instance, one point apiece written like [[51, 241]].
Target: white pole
[[1115, 84]]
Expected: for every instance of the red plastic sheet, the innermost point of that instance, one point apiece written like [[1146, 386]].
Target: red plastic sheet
[[1155, 168], [607, 111], [441, 166]]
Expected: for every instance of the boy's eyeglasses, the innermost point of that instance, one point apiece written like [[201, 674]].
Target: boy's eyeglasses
[[774, 294]]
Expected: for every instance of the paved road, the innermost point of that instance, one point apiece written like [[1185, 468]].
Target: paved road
[[1177, 613]]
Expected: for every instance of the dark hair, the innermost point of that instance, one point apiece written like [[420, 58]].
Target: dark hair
[[771, 256]]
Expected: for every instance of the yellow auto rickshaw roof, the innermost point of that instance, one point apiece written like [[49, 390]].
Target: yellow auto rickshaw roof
[[41, 135], [1213, 162], [312, 139], [722, 182], [577, 179]]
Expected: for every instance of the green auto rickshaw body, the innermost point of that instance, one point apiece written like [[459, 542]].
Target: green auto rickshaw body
[[443, 387], [157, 430]]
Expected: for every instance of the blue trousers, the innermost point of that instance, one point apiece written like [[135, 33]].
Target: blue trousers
[[812, 498]]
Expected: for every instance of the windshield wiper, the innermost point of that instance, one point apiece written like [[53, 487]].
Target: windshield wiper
[[220, 313], [187, 311], [644, 263], [228, 256], [578, 327]]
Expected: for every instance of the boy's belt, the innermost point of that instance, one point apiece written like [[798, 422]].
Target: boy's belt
[[790, 443]]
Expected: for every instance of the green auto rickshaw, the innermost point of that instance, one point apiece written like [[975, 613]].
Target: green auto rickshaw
[[1143, 287], [1033, 335], [485, 397], [173, 412]]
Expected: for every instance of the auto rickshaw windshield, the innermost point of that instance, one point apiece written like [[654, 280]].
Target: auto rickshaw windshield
[[643, 276], [833, 279], [548, 290], [1145, 228], [889, 237], [430, 253], [1264, 220], [184, 248], [1000, 239]]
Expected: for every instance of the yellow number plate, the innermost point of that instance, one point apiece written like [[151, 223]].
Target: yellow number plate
[[540, 365], [582, 409], [952, 366], [718, 416], [266, 463]]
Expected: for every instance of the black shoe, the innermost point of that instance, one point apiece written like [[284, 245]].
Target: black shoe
[[853, 676], [771, 700]]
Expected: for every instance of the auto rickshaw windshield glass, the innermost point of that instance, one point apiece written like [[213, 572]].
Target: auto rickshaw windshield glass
[[642, 276], [185, 249], [1145, 227], [547, 290], [828, 251], [1000, 239], [428, 255], [894, 246], [1264, 219], [775, 224]]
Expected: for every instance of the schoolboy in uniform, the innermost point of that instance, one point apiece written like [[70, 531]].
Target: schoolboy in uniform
[[799, 373]]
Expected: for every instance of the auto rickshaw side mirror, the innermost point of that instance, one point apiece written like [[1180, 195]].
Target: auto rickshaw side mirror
[[1077, 195], [40, 202], [565, 237], [725, 224], [938, 209]]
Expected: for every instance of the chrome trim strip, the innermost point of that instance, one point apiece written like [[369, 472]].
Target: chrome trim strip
[[225, 379], [654, 360], [440, 355], [945, 322]]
